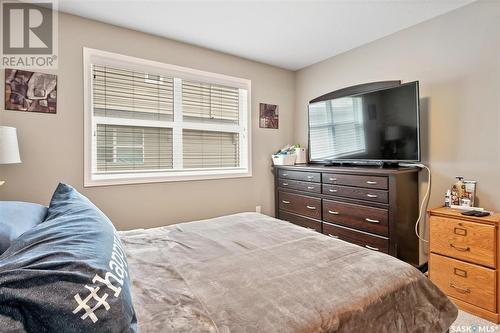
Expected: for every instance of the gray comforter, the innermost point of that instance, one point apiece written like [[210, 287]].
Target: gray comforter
[[252, 273]]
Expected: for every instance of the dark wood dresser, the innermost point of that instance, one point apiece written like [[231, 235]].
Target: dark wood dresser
[[372, 207]]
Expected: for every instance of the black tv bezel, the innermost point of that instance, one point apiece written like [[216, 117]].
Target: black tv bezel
[[360, 90]]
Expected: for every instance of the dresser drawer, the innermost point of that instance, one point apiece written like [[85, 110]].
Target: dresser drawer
[[300, 175], [300, 204], [360, 238], [300, 220], [357, 193], [300, 186], [364, 218], [467, 282], [376, 182], [469, 241]]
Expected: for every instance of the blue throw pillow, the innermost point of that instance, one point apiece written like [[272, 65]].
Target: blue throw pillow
[[67, 274], [16, 218]]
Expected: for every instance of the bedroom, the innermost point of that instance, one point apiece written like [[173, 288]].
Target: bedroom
[[270, 56]]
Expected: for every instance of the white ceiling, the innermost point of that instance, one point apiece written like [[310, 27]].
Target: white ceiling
[[287, 34]]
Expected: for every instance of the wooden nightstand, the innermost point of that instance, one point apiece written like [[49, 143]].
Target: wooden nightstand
[[464, 260]]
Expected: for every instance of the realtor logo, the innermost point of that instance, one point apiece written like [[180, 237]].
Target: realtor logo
[[29, 34]]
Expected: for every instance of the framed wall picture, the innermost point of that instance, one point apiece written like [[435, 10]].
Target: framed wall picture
[[268, 116], [30, 91]]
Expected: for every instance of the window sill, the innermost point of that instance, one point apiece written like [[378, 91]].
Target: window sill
[[129, 179]]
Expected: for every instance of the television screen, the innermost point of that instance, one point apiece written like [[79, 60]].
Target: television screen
[[380, 125]]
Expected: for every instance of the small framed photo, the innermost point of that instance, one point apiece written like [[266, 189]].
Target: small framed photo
[[268, 116], [30, 91]]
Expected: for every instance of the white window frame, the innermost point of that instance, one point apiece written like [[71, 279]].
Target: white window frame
[[93, 56]]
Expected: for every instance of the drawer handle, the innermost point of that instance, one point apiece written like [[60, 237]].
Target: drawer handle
[[310, 177], [371, 182], [285, 202], [371, 195], [460, 231], [285, 174], [332, 179], [310, 187], [333, 212], [460, 272], [460, 290], [462, 249], [333, 236], [285, 184], [311, 207], [372, 221], [372, 248], [333, 190]]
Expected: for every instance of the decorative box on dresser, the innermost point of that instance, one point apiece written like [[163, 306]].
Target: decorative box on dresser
[[372, 207], [464, 260]]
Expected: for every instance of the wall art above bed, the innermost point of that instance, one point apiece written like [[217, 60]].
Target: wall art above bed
[[30, 91]]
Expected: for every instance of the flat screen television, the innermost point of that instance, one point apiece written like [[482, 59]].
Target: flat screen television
[[375, 126]]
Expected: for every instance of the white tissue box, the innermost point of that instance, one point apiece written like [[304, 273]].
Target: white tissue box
[[284, 159]]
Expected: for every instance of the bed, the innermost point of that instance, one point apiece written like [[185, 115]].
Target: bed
[[252, 273]]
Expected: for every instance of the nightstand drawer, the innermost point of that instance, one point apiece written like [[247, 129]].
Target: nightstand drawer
[[466, 282], [469, 241]]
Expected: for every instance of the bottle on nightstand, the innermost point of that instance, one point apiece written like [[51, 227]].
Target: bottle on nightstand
[[447, 199]]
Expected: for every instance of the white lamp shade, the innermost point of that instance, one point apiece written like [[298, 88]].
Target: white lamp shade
[[9, 148]]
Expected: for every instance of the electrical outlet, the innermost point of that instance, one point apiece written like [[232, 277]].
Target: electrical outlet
[[258, 209]]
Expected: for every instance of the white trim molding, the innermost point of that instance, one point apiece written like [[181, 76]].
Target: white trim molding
[[92, 177]]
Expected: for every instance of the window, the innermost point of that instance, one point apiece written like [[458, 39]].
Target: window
[[146, 122], [339, 126]]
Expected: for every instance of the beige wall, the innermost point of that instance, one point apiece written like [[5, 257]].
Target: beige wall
[[456, 58], [52, 145]]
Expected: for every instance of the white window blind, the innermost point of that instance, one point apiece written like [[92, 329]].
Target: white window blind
[[210, 102], [132, 95], [210, 149], [147, 121], [129, 95], [133, 148]]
